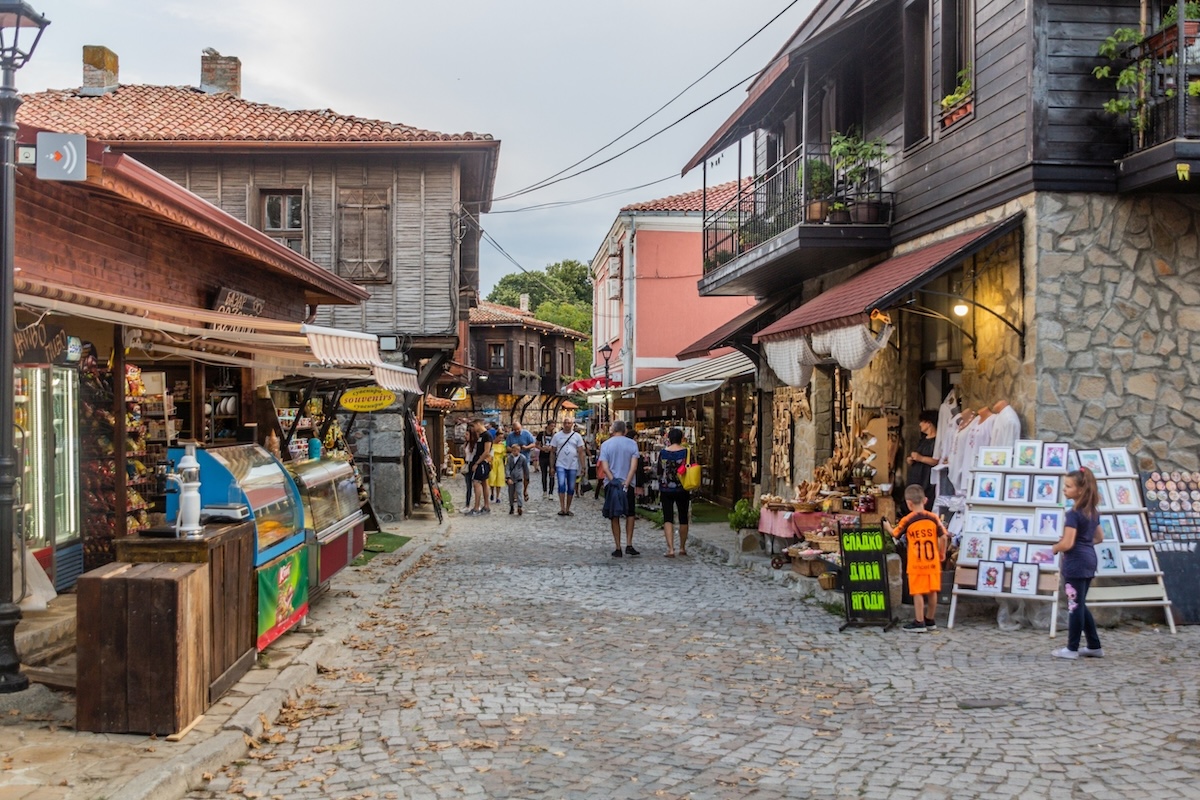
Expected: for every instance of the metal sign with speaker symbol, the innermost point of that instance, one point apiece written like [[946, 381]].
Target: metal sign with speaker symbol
[[62, 156]]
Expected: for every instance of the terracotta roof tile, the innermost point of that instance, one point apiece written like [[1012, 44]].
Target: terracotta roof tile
[[718, 196], [495, 314], [184, 113]]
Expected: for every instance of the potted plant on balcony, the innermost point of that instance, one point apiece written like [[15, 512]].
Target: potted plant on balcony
[[960, 102], [858, 162], [1132, 79], [839, 213], [1164, 41], [820, 186]]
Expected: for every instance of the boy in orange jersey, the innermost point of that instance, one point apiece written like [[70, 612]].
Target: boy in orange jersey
[[927, 541]]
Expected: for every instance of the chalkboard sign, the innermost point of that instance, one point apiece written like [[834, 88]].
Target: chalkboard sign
[[1173, 506], [865, 589]]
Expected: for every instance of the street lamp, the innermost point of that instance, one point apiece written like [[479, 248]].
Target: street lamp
[[18, 24], [606, 354]]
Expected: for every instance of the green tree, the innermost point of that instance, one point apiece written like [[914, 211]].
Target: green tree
[[508, 290], [575, 279], [577, 317], [564, 281]]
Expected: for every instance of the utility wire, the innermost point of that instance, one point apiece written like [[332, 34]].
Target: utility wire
[[561, 203], [651, 115], [558, 292]]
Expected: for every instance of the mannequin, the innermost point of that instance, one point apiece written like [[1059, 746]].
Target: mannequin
[[1006, 426], [958, 451], [945, 427]]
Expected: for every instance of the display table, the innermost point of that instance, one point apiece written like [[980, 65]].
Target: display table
[[228, 549]]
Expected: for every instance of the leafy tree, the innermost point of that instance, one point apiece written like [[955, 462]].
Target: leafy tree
[[509, 289], [577, 317], [566, 280], [575, 279]]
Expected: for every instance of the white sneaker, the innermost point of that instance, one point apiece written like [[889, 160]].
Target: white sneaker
[[1063, 652], [1088, 652]]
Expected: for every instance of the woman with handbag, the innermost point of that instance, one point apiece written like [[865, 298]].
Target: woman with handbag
[[672, 464]]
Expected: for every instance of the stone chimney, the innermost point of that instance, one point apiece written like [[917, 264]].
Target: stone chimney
[[99, 70], [525, 302], [220, 73]]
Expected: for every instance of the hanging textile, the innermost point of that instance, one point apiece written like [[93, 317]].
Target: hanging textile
[[792, 360], [854, 347]]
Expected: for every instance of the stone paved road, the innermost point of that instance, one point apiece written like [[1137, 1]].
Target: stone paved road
[[521, 661]]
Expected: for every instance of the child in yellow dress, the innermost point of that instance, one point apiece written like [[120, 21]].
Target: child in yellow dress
[[496, 478]]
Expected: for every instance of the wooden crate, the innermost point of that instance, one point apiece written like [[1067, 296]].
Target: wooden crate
[[141, 648], [233, 592]]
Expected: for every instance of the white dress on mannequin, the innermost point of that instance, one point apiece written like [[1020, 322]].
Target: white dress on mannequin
[[1006, 427]]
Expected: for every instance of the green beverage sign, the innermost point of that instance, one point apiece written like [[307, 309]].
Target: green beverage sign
[[282, 594], [864, 577]]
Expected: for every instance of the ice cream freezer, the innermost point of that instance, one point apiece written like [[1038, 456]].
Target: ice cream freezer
[[333, 516]]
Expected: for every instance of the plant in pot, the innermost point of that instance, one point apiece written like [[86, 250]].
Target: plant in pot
[[820, 186], [858, 161], [744, 520], [839, 213], [959, 102]]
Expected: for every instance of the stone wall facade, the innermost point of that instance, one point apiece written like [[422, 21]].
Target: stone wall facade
[[1118, 312]]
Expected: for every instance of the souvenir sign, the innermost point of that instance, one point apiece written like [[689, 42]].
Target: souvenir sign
[[865, 589]]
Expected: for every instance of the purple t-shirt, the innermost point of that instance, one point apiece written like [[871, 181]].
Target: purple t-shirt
[[1080, 560]]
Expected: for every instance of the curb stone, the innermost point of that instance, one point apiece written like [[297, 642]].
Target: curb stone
[[177, 776]]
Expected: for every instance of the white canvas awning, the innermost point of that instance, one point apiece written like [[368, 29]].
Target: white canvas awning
[[702, 378]]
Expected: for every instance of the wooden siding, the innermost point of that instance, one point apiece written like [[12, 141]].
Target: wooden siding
[[422, 298]]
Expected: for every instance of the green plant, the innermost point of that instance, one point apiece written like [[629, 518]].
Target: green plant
[[744, 515], [820, 178], [961, 92], [855, 157], [838, 205], [1131, 80], [1191, 10], [717, 259]]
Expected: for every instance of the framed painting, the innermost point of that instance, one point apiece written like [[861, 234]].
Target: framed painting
[[1043, 555], [1123, 494], [1117, 462], [1027, 454], [1015, 524], [1072, 460], [1108, 559], [1135, 561], [1024, 579], [973, 547], [1045, 489], [1093, 460], [1102, 500], [1132, 528], [1054, 455], [995, 457], [988, 486], [1007, 551], [990, 577], [1108, 527], [979, 522], [1048, 523], [1017, 488]]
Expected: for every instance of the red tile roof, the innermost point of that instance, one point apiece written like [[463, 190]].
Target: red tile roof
[[718, 196], [495, 314], [184, 113]]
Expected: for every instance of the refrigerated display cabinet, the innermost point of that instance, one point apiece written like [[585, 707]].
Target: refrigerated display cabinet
[[333, 516]]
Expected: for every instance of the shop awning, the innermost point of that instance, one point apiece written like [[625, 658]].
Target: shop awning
[[396, 378], [588, 385], [738, 326], [884, 285], [699, 378]]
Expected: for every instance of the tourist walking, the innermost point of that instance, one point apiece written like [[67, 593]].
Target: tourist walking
[[496, 481], [480, 468], [523, 442], [546, 459], [616, 465], [672, 461], [567, 445], [1081, 531], [515, 476]]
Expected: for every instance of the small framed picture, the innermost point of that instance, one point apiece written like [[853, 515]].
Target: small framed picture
[[1024, 579], [1005, 550], [1045, 489], [973, 547], [1054, 455], [1048, 523], [995, 457], [1043, 555], [1108, 559], [1093, 461], [1123, 494], [1015, 524], [1132, 529], [1136, 561], [1102, 500], [1072, 460], [990, 577], [1017, 488], [988, 486], [978, 522], [1117, 462], [1027, 454], [1108, 527]]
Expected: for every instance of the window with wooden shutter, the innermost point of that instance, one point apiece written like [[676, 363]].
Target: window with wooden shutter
[[364, 235]]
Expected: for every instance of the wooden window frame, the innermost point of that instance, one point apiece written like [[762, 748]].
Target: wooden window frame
[[918, 105], [494, 349], [284, 235], [373, 207]]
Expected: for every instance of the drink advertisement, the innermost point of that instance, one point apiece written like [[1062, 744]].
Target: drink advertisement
[[282, 595]]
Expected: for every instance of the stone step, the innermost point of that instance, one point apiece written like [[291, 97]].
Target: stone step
[[43, 635]]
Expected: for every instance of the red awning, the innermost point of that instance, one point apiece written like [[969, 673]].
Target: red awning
[[883, 285], [736, 326], [587, 385]]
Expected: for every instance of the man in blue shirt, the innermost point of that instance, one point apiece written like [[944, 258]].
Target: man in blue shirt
[[617, 466], [519, 439]]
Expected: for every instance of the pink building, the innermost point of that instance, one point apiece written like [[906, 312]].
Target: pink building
[[645, 301]]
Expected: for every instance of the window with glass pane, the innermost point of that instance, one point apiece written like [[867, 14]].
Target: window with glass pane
[[283, 217], [496, 356]]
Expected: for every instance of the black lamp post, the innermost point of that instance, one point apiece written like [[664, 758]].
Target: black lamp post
[[20, 29], [606, 354]]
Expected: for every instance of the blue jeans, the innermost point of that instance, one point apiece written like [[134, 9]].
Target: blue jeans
[[566, 480], [1079, 619]]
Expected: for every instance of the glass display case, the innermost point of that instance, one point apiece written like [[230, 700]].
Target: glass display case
[[249, 475], [333, 517]]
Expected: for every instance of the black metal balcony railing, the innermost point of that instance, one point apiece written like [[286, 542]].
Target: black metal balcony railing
[[780, 200], [1163, 107]]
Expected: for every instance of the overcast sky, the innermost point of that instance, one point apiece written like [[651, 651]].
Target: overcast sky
[[552, 80]]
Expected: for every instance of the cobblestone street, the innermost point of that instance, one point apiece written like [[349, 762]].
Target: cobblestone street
[[520, 660]]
